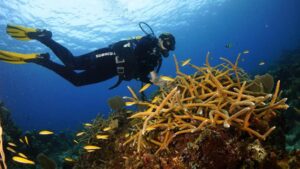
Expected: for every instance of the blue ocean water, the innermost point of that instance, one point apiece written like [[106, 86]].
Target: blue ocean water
[[40, 99]]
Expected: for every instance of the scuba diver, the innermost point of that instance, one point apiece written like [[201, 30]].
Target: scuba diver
[[128, 59]]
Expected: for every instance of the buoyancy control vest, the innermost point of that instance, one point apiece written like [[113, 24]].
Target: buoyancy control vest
[[135, 58]]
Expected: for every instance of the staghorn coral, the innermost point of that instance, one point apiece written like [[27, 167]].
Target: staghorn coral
[[2, 155], [212, 96]]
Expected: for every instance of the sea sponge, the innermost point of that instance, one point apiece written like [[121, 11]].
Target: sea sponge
[[116, 103], [256, 151], [262, 83]]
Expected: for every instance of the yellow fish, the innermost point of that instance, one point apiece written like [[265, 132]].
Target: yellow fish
[[99, 136], [90, 151], [45, 132], [246, 51], [69, 159], [88, 124], [261, 63], [127, 135], [80, 133], [130, 103], [107, 129], [150, 128], [11, 149], [75, 141], [145, 87], [26, 140], [156, 98], [22, 155], [12, 144], [91, 147], [185, 62], [22, 160], [166, 78], [21, 140]]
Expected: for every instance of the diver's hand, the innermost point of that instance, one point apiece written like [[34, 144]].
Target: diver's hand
[[153, 77]]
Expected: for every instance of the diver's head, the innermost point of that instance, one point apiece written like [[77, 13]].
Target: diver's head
[[166, 43]]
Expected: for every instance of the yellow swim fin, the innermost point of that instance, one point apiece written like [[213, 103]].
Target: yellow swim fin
[[16, 58], [20, 32]]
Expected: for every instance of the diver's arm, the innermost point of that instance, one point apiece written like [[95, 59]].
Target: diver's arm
[[145, 79]]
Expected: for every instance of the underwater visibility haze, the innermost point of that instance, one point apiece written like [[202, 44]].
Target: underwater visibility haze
[[39, 99]]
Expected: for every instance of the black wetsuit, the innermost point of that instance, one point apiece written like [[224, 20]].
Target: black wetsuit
[[129, 59]]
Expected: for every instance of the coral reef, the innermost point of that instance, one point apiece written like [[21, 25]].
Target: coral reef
[[287, 68], [31, 144], [114, 127], [12, 132], [210, 119], [217, 117], [9, 132]]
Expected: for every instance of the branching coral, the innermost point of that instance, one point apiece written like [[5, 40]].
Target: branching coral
[[212, 96], [2, 155]]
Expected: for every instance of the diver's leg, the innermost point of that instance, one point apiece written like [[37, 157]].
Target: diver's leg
[[81, 62], [97, 58], [89, 76], [60, 51]]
